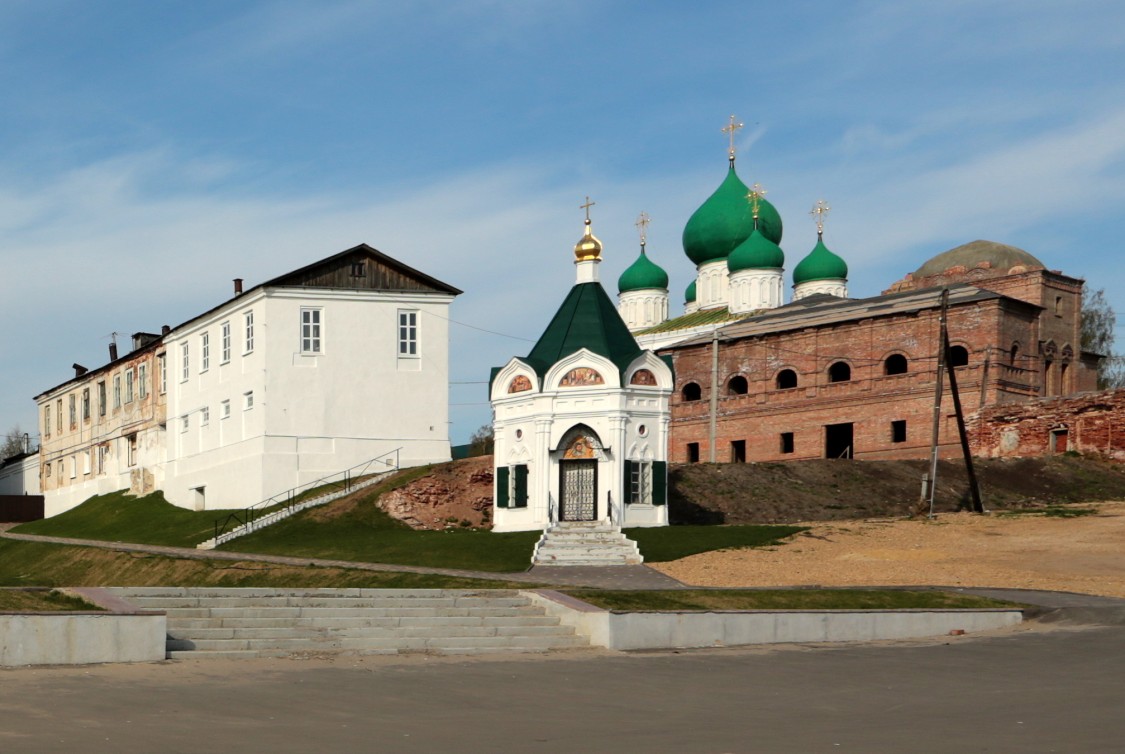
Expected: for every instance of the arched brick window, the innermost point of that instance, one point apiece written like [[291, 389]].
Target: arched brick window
[[692, 392], [839, 372], [958, 356], [895, 364], [786, 379], [737, 385]]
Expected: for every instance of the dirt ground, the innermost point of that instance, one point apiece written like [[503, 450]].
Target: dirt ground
[[1084, 554]]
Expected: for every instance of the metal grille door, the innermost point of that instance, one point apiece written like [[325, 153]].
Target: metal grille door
[[579, 490]]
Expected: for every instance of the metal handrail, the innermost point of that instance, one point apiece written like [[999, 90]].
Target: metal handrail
[[290, 497], [550, 509]]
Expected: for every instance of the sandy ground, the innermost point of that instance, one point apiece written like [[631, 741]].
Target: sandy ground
[[1085, 554]]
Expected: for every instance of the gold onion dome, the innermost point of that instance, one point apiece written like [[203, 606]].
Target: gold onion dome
[[589, 247]]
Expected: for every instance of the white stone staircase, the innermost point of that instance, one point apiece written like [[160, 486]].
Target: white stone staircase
[[258, 622], [585, 543]]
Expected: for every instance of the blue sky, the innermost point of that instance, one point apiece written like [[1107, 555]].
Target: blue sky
[[151, 151]]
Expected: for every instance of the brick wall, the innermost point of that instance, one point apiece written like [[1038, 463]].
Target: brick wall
[[1088, 423]]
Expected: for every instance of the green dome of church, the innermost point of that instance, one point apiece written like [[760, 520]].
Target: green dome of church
[[756, 253], [820, 264], [689, 294], [641, 274], [725, 220]]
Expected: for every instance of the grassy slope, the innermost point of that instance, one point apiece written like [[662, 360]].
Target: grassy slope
[[782, 599], [21, 601], [39, 564], [118, 517]]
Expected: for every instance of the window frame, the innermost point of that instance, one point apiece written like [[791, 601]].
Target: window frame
[[129, 393], [224, 343], [312, 330], [248, 332], [204, 352], [409, 341], [185, 361]]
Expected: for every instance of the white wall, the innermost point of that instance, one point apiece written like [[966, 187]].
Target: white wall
[[20, 477], [313, 414]]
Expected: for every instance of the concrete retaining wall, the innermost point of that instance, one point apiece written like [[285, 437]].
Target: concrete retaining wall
[[121, 634], [671, 630]]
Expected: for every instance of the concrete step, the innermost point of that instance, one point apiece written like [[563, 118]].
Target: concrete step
[[167, 603], [202, 634], [397, 643], [526, 619]]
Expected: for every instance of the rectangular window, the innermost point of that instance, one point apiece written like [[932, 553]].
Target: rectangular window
[[738, 451], [60, 469], [224, 410], [248, 400], [58, 414], [73, 467], [205, 416], [408, 333], [204, 352], [87, 462], [249, 332], [224, 342], [898, 431], [129, 386], [358, 269], [185, 360], [786, 442], [86, 404], [101, 459], [511, 486], [47, 420], [310, 331], [185, 423], [117, 391], [73, 411], [142, 380], [101, 398], [693, 452], [47, 469], [638, 482], [132, 439], [163, 374]]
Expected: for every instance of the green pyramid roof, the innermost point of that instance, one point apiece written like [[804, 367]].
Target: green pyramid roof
[[641, 274], [586, 319], [756, 253], [689, 294], [725, 220], [820, 264]]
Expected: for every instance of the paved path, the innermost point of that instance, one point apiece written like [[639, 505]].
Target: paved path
[[1020, 692], [605, 577]]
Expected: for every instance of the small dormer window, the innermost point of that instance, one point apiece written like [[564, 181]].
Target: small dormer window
[[359, 269]]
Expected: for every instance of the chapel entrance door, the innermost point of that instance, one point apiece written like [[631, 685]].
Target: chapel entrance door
[[578, 490]]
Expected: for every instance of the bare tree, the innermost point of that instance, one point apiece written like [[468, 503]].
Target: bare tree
[[13, 443], [1098, 322], [481, 442]]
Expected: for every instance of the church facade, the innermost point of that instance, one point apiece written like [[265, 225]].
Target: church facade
[[823, 375], [581, 423]]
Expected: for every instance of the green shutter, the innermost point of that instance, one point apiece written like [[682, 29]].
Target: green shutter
[[502, 487], [659, 483], [521, 486], [627, 488]]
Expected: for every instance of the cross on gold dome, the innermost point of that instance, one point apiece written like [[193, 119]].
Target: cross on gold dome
[[820, 212], [729, 131], [642, 225], [757, 193], [586, 207]]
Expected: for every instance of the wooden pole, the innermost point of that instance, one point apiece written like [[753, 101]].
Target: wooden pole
[[974, 488], [938, 383]]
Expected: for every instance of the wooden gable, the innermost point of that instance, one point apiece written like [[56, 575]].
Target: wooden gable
[[365, 268]]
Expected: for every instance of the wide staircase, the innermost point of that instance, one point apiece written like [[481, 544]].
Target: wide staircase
[[585, 543], [248, 623]]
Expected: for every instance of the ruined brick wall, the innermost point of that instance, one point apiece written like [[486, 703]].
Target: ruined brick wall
[[870, 401], [1088, 423]]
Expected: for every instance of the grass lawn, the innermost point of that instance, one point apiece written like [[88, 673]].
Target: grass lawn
[[781, 599], [41, 601], [41, 564], [118, 517]]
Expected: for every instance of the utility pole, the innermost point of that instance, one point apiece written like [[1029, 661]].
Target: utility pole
[[974, 488], [712, 430], [930, 484]]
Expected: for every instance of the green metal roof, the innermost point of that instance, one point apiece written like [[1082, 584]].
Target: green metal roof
[[725, 220], [642, 274], [820, 264], [586, 319], [756, 253], [695, 319]]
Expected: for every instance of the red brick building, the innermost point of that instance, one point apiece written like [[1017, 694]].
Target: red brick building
[[835, 377]]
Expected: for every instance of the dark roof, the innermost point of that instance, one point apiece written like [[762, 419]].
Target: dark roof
[[821, 309], [586, 319], [998, 256]]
